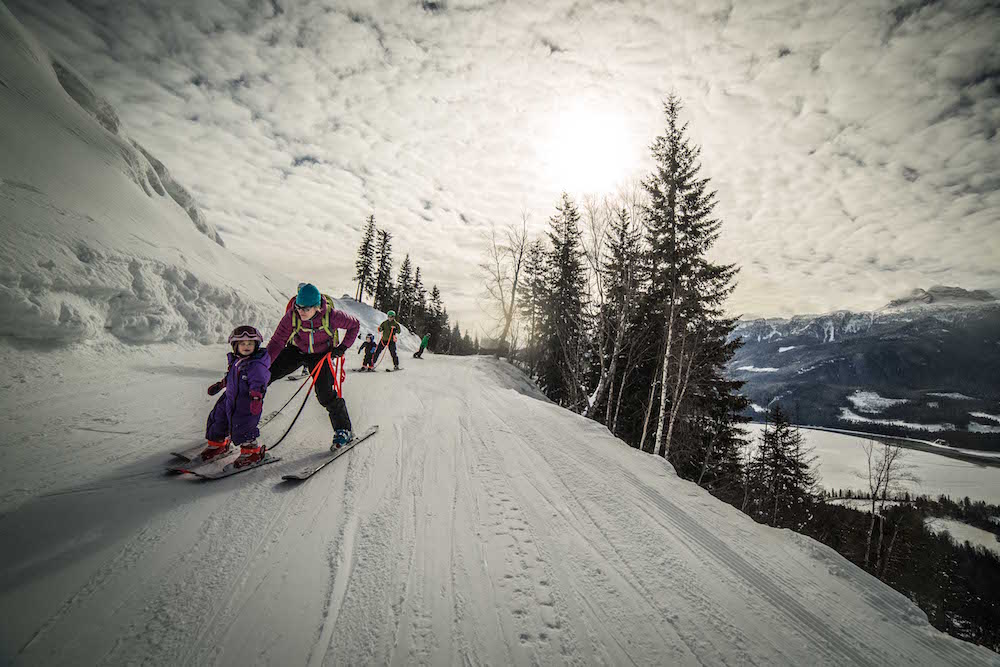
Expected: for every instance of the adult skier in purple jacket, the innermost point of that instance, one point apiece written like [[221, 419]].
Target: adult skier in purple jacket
[[236, 414], [308, 330]]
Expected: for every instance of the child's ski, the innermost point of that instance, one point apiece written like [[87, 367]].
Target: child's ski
[[191, 453], [306, 473], [225, 467]]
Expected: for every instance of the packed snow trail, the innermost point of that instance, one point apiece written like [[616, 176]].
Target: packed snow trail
[[481, 525]]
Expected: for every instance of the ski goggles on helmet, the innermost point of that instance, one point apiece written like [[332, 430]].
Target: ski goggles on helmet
[[245, 333]]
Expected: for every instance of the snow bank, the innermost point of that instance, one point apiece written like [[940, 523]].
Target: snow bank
[[98, 237]]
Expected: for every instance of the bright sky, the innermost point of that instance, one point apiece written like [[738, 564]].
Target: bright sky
[[853, 144]]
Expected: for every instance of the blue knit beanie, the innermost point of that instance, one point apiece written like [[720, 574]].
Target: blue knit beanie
[[308, 296]]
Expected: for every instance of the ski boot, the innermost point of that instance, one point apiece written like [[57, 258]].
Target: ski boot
[[250, 453], [341, 437], [214, 450]]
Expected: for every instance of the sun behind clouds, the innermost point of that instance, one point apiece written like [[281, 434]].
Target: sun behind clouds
[[589, 150]]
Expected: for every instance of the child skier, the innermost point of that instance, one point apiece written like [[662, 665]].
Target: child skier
[[235, 416], [389, 329], [368, 347], [419, 354]]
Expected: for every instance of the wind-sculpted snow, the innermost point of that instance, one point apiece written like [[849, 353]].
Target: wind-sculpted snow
[[481, 525], [97, 236]]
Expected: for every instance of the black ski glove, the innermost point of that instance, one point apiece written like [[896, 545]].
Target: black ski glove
[[217, 387], [338, 351]]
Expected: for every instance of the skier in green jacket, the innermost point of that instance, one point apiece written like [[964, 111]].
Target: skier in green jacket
[[419, 354], [389, 330]]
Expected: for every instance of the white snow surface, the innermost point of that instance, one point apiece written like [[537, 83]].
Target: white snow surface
[[951, 394], [871, 402], [849, 416], [786, 348], [97, 236], [481, 525], [986, 415], [757, 369], [962, 532]]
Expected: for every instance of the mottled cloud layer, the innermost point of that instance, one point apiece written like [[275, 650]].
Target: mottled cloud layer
[[853, 144]]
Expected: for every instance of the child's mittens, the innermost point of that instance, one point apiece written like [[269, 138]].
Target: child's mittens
[[217, 387], [256, 402]]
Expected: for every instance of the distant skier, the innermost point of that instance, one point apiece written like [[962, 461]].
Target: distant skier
[[389, 329], [236, 414], [307, 331], [368, 347], [419, 354]]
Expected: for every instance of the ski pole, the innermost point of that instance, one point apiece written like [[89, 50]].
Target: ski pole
[[315, 376]]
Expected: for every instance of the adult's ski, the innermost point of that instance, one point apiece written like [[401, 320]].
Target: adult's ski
[[309, 471]]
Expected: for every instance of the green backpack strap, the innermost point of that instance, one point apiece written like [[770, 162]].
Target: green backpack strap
[[334, 334]]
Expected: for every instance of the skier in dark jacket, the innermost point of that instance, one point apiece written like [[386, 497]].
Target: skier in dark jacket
[[389, 329], [236, 414], [308, 330], [368, 347], [419, 354]]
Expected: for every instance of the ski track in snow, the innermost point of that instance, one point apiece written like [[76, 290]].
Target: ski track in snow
[[480, 525]]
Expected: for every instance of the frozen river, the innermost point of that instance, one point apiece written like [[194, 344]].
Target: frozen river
[[842, 464]]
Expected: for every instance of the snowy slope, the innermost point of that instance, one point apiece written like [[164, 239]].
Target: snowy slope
[[482, 525], [97, 236]]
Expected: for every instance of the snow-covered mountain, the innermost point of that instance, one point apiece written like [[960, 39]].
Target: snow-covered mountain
[[932, 358], [97, 235]]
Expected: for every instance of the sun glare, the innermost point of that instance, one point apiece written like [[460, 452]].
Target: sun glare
[[588, 151]]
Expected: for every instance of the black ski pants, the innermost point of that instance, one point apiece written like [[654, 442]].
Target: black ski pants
[[392, 351], [292, 358]]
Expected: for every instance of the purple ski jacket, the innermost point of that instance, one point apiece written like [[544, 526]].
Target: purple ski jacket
[[245, 374], [312, 339]]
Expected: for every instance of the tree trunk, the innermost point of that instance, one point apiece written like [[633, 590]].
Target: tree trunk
[[649, 410], [661, 417]]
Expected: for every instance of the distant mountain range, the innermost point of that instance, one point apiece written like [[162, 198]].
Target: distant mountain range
[[924, 366]]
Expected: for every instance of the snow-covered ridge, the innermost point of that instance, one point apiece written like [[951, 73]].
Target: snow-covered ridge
[[98, 238]]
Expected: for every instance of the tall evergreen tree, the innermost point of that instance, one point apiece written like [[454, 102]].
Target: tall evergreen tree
[[383, 275], [564, 325], [436, 322], [532, 299], [687, 291], [404, 291], [417, 311], [364, 265]]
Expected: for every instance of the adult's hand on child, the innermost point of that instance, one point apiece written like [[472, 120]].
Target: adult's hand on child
[[217, 387], [256, 402]]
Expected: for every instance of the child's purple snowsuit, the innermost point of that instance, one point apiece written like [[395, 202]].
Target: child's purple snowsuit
[[231, 415]]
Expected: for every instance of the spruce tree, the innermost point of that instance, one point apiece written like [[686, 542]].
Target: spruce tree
[[404, 292], [687, 291], [383, 275], [783, 477], [564, 325], [364, 265], [532, 299], [417, 312]]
